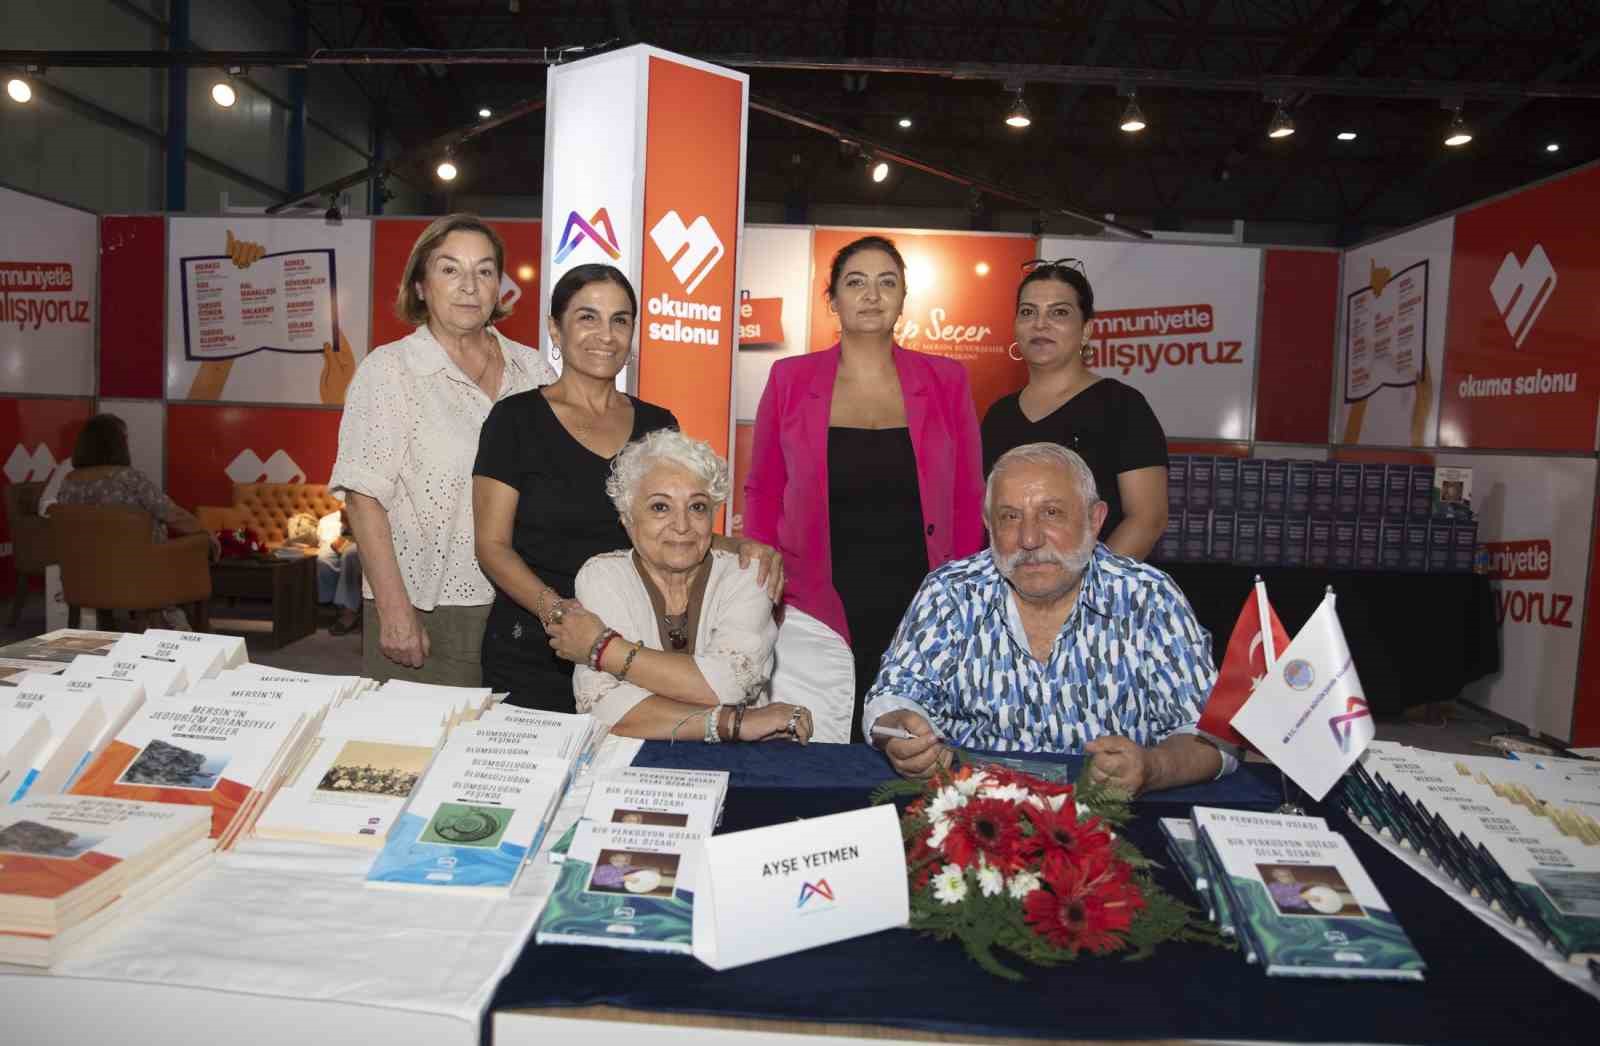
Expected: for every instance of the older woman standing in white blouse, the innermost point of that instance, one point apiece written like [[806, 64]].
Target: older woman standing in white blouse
[[673, 639], [406, 447]]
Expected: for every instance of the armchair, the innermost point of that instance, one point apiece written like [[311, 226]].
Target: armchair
[[109, 562], [33, 545]]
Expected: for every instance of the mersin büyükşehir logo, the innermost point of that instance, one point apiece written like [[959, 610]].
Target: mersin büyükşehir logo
[[596, 228], [1343, 725], [820, 888]]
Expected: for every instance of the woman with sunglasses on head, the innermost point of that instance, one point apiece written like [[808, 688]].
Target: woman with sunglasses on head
[[1107, 422], [865, 474]]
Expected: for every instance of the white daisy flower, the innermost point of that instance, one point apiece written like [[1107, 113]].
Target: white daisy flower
[[945, 802], [1022, 884], [1013, 793], [970, 786], [1056, 802], [950, 885], [941, 828], [990, 881]]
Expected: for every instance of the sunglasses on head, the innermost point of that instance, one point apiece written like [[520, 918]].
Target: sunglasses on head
[[1059, 263]]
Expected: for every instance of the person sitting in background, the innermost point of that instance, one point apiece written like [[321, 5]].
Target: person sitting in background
[[672, 639], [1049, 642], [339, 570], [102, 474]]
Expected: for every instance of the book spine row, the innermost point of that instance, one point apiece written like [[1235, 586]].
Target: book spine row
[[1322, 514]]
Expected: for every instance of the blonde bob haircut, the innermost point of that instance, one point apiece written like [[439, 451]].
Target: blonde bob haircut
[[408, 304]]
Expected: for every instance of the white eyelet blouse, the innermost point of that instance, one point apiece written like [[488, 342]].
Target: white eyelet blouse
[[408, 439]]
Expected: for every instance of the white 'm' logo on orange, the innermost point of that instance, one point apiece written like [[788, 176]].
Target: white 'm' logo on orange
[[692, 251]]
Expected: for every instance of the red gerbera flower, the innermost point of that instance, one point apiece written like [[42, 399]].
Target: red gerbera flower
[[989, 827], [1060, 830], [1086, 905], [921, 854]]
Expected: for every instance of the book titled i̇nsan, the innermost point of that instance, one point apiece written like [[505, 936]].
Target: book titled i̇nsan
[[473, 820]]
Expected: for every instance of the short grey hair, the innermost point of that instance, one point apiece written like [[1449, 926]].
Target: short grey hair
[[665, 446], [1044, 454]]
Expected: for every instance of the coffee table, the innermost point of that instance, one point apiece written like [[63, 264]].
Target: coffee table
[[291, 585]]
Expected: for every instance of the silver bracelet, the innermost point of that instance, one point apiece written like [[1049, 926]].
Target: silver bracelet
[[712, 737]]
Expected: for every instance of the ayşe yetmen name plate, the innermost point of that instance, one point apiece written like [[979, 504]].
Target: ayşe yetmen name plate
[[774, 891]]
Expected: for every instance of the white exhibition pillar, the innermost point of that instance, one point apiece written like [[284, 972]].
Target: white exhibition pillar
[[644, 160]]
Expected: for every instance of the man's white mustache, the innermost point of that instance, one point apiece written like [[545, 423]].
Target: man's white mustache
[[1029, 557]]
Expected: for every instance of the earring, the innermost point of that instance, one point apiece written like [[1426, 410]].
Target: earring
[[555, 351], [1086, 354], [1014, 352]]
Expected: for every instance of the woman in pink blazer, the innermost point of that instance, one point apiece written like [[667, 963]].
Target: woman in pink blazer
[[866, 474]]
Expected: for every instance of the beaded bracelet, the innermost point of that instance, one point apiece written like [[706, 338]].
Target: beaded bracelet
[[712, 737], [600, 658], [738, 722], [627, 662], [600, 641]]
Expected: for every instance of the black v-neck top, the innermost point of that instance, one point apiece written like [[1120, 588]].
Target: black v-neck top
[[1109, 424], [563, 514]]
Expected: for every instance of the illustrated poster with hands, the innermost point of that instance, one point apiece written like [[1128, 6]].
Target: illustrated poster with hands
[[266, 310]]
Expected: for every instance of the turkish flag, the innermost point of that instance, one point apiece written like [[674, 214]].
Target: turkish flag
[[1244, 664]]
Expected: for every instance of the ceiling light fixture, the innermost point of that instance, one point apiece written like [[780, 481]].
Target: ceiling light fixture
[[1346, 136], [223, 92], [1281, 126], [1018, 116], [447, 170], [485, 113], [19, 90], [1132, 116], [879, 169], [1553, 147], [905, 123], [1457, 134]]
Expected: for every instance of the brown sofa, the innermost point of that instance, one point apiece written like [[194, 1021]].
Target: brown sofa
[[266, 508]]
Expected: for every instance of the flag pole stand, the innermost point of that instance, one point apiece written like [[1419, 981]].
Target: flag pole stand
[[1289, 807]]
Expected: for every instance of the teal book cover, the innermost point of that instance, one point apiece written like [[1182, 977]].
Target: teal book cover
[[623, 886], [460, 846], [1309, 909]]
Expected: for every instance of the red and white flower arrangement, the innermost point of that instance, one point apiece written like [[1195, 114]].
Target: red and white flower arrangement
[[1004, 860], [240, 543]]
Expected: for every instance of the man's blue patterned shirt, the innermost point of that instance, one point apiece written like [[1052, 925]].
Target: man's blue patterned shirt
[[1131, 660]]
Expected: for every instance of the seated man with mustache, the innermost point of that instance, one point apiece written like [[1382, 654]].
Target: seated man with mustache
[[1048, 641]]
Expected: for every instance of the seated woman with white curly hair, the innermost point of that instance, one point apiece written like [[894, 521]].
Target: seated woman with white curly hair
[[671, 639]]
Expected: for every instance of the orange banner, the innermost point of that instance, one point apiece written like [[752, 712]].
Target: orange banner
[[694, 153], [961, 294], [392, 239], [215, 447], [35, 436], [1521, 366], [760, 320]]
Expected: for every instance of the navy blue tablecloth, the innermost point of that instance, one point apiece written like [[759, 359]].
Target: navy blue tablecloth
[[1480, 989]]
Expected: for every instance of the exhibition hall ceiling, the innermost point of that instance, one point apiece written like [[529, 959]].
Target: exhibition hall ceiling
[[1381, 69]]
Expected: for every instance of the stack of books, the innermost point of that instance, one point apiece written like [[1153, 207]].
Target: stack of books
[[83, 716], [158, 678], [71, 864], [354, 778], [626, 877], [200, 654], [1295, 896], [485, 803], [1530, 859], [221, 744]]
